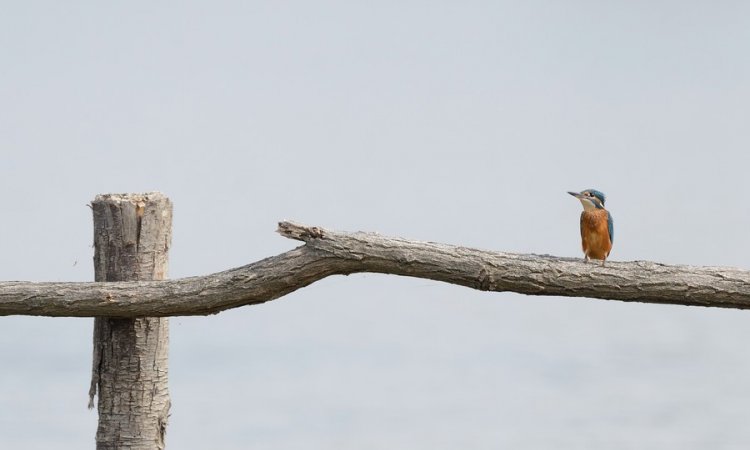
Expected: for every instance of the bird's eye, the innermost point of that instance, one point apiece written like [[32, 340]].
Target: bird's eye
[[587, 194]]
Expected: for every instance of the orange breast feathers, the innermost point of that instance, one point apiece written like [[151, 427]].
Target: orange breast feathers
[[595, 234]]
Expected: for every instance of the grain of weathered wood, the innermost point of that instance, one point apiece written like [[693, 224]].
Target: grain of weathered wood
[[132, 233], [327, 253]]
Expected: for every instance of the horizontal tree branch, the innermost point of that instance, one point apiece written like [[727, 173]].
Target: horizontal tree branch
[[328, 253]]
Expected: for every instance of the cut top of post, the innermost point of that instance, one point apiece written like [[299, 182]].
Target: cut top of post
[[132, 235]]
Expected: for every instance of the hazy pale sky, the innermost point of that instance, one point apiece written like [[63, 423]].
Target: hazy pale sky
[[461, 123]]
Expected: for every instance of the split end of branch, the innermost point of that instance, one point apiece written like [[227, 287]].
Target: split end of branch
[[299, 232]]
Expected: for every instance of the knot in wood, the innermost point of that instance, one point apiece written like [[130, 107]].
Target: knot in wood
[[484, 280]]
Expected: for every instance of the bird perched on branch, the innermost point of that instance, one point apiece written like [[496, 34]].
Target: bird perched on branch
[[597, 228]]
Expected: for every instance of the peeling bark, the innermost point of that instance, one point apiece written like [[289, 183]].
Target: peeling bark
[[327, 253]]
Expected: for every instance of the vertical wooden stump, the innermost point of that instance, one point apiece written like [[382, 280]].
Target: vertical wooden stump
[[132, 235]]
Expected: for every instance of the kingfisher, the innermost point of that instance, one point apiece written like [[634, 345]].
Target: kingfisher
[[597, 228]]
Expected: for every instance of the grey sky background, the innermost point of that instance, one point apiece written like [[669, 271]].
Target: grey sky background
[[458, 123]]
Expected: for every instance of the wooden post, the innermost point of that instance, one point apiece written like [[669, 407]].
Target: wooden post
[[132, 235]]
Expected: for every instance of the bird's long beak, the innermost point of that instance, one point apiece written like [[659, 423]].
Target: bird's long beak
[[575, 194]]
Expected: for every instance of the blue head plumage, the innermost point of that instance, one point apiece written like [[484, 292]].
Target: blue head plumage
[[591, 198], [597, 194]]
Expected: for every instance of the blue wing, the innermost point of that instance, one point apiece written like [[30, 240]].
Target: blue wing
[[611, 227]]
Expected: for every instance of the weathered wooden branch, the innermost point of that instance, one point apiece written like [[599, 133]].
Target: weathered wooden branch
[[327, 253]]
